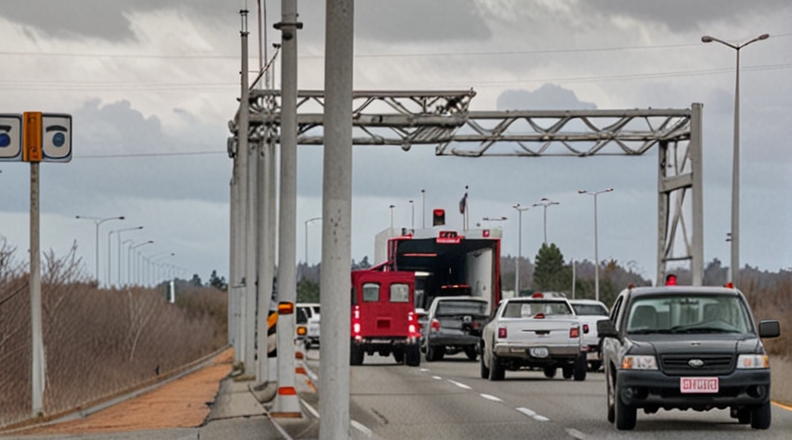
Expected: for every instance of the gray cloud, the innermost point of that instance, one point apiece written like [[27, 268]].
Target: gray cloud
[[546, 97]]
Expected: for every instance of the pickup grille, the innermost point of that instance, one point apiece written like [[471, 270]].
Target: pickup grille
[[714, 364]]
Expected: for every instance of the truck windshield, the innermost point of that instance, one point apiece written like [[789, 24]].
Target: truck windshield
[[461, 307], [680, 313], [590, 310]]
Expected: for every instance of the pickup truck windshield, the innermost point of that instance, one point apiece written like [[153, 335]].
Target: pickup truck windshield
[[681, 313], [461, 307]]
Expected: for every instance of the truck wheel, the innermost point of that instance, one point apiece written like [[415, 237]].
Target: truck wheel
[[625, 415], [398, 355], [596, 365], [567, 371], [484, 370], [549, 372], [496, 372], [471, 353], [610, 398], [580, 368], [743, 416], [430, 354], [760, 416], [413, 355], [355, 354]]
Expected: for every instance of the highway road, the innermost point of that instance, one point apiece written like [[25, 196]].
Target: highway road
[[449, 400]]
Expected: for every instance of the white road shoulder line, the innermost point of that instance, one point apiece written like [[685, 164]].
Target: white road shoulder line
[[357, 425], [459, 384], [491, 397], [575, 433]]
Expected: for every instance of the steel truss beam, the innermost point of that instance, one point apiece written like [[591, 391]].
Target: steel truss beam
[[443, 119]]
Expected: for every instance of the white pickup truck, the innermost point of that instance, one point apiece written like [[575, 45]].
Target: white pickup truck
[[590, 312], [538, 332]]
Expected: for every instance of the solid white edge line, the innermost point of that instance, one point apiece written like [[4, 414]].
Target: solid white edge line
[[491, 397], [362, 428], [460, 384], [575, 433], [280, 428], [311, 409]]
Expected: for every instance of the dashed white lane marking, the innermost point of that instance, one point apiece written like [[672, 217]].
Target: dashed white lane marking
[[491, 397], [437, 378], [459, 384], [531, 413], [526, 411], [360, 427], [575, 433], [424, 370]]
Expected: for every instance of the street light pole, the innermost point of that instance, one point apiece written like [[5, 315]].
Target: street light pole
[[98, 221], [520, 210], [423, 209], [596, 254], [735, 211], [412, 215], [391, 215], [109, 251], [545, 202], [129, 259], [306, 236]]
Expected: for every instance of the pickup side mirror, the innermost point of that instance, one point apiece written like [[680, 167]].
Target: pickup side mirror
[[769, 328], [606, 329]]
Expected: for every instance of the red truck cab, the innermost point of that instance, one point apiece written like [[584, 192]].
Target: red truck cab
[[383, 316]]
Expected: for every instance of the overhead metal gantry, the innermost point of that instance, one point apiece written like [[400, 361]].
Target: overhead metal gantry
[[443, 119]]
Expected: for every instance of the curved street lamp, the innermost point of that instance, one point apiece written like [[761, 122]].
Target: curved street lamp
[[545, 202], [98, 221], [735, 211], [129, 260], [596, 255], [306, 236], [109, 241]]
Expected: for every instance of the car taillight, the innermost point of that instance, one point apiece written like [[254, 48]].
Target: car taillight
[[413, 330], [356, 323], [539, 316], [435, 325], [502, 332], [585, 328], [574, 332]]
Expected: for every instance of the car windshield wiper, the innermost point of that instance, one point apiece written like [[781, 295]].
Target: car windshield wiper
[[648, 331], [703, 330]]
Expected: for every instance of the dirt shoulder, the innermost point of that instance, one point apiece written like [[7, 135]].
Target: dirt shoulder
[[182, 403]]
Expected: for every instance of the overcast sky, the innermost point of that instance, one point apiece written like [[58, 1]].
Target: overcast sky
[[152, 84]]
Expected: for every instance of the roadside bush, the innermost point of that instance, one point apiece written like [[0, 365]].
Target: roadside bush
[[98, 342]]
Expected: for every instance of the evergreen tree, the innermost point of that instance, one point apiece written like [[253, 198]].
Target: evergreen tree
[[307, 291], [550, 273], [217, 282]]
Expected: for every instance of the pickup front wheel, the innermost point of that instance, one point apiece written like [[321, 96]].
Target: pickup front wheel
[[625, 415]]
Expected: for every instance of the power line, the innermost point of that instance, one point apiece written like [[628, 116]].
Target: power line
[[127, 155]]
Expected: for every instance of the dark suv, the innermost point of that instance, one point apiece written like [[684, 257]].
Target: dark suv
[[685, 348], [453, 324]]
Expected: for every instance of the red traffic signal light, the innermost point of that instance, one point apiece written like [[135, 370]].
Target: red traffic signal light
[[438, 217]]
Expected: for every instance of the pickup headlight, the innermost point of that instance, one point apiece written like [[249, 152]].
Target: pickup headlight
[[751, 361], [639, 363]]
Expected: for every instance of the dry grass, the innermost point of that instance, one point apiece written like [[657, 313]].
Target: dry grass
[[97, 341]]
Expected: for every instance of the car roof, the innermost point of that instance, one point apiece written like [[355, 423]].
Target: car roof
[[682, 290], [458, 298], [586, 301]]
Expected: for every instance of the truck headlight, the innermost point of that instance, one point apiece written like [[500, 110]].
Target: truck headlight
[[751, 361], [639, 363]]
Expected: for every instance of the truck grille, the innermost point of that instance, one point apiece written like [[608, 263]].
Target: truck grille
[[713, 364]]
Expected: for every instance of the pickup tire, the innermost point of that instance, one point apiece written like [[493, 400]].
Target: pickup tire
[[626, 415], [496, 370], [355, 354], [760, 416], [550, 372], [581, 365], [610, 400], [567, 371], [484, 370], [434, 353], [471, 353], [413, 355]]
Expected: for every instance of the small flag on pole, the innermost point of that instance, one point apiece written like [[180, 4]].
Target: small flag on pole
[[463, 204]]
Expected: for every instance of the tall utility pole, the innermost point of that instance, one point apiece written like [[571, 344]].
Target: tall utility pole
[[423, 209], [735, 211], [520, 210], [596, 254], [286, 402], [337, 224], [545, 202]]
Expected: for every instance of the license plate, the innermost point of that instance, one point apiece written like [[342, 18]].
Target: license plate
[[592, 355], [539, 352], [698, 385]]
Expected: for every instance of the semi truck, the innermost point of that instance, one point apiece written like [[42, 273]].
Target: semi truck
[[446, 262]]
